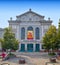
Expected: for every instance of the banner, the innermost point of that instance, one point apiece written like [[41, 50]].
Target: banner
[[30, 35]]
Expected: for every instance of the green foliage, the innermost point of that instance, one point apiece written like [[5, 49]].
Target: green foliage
[[46, 41], [9, 41], [52, 54], [58, 37], [11, 55], [49, 39]]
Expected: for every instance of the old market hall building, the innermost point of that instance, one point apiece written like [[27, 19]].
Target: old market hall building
[[29, 28]]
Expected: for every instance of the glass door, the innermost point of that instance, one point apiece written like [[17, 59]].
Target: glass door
[[37, 47], [30, 47], [22, 47]]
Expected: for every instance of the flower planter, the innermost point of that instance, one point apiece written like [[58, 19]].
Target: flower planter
[[53, 60], [58, 57], [21, 61]]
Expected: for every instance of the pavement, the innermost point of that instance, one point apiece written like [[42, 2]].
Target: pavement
[[33, 54], [30, 58]]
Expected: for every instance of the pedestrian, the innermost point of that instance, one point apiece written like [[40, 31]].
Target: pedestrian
[[3, 55]]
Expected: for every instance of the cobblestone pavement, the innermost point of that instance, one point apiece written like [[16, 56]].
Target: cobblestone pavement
[[15, 61], [34, 54], [30, 58]]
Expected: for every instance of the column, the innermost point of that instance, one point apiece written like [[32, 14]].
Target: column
[[25, 33], [25, 47], [34, 33], [42, 30], [34, 47], [19, 47], [17, 32], [40, 46]]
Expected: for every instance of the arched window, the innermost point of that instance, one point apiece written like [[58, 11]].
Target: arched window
[[30, 33], [37, 36], [23, 33]]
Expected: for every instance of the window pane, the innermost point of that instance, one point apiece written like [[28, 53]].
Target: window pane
[[37, 33], [22, 33]]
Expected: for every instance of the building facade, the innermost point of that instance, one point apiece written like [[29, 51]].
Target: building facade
[[29, 28], [1, 35]]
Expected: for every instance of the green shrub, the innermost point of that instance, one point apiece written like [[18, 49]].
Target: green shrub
[[11, 55], [52, 54]]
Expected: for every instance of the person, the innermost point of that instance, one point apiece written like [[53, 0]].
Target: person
[[3, 55]]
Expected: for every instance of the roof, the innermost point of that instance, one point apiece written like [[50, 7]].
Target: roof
[[30, 11]]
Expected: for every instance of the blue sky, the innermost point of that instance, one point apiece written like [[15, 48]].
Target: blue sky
[[12, 8]]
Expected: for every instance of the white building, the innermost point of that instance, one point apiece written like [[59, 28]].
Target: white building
[[29, 28], [1, 35]]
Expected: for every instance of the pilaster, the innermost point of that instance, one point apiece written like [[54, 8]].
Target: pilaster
[[34, 47], [25, 47]]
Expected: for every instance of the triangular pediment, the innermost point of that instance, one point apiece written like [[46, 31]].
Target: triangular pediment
[[30, 16]]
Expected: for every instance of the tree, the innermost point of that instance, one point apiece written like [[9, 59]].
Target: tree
[[46, 42], [49, 38], [58, 37], [9, 41]]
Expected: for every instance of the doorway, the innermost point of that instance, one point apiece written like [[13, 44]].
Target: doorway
[[22, 47], [37, 47], [30, 47]]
